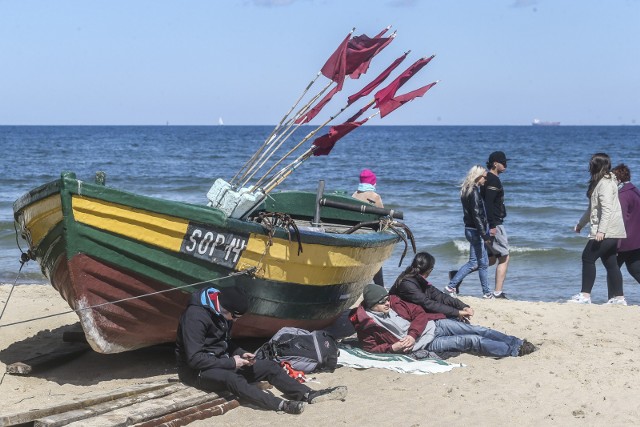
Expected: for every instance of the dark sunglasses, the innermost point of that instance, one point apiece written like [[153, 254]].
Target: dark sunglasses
[[384, 300], [235, 316]]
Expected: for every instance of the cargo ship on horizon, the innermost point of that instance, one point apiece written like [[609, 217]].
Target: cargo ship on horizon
[[538, 122]]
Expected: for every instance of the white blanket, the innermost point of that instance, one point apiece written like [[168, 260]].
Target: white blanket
[[354, 357]]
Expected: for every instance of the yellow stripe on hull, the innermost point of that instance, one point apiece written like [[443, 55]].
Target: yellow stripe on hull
[[155, 229], [40, 217], [316, 265]]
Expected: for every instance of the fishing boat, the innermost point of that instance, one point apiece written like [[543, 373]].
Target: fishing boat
[[127, 263]]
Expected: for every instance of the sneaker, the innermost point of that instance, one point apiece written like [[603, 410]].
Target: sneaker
[[617, 301], [501, 295], [450, 291], [490, 295], [293, 406], [526, 348], [579, 299], [335, 393]]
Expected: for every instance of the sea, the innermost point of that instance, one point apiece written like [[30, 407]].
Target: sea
[[419, 169]]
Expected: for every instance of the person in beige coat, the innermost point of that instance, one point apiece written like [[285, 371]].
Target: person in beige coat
[[606, 226]]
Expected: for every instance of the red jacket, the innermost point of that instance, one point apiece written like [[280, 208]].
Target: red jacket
[[375, 338]]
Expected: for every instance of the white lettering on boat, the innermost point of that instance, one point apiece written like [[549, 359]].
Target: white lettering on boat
[[217, 246]]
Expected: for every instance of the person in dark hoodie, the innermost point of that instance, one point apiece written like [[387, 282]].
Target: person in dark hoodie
[[629, 196], [209, 360]]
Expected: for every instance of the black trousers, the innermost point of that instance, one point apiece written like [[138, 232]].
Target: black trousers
[[632, 260], [606, 251], [238, 382]]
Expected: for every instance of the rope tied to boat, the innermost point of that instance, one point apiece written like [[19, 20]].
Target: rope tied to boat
[[388, 223], [249, 271], [270, 221]]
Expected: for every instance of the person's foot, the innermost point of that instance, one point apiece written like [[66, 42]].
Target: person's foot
[[526, 348], [292, 407], [501, 295], [450, 291], [617, 301], [334, 393], [488, 296], [579, 299]]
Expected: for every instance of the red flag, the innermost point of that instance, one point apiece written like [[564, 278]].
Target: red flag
[[335, 67], [387, 93], [360, 51], [306, 118], [375, 82], [324, 144], [393, 103]]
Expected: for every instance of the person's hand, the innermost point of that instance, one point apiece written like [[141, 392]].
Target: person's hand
[[577, 229], [493, 231], [404, 345], [465, 314], [599, 236], [250, 357], [240, 362]]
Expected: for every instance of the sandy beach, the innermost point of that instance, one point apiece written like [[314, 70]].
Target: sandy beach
[[585, 372]]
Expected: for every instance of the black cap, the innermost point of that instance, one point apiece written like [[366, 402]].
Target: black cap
[[497, 156], [372, 294], [234, 300]]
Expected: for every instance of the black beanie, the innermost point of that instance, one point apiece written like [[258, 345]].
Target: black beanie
[[372, 294], [234, 300]]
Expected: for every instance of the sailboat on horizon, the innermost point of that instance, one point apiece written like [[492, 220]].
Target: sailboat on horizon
[[220, 122]]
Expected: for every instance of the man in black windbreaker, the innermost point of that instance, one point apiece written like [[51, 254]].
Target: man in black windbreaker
[[493, 195], [209, 360]]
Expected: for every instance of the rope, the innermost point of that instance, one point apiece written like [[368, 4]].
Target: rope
[[239, 273]]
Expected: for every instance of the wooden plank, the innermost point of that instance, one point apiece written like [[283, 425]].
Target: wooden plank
[[101, 408], [189, 415], [159, 411], [56, 357], [34, 414]]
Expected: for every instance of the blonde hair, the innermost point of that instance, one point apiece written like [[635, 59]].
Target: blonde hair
[[471, 179]]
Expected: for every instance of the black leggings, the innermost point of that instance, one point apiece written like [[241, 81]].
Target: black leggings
[[606, 251], [632, 260]]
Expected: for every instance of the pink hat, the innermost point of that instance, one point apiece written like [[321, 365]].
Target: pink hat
[[367, 177]]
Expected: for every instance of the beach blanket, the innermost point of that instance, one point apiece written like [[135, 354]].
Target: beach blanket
[[355, 357]]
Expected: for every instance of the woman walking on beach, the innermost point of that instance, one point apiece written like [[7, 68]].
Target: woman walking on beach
[[605, 218], [476, 230], [629, 196]]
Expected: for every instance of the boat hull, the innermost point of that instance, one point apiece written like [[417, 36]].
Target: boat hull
[[128, 263]]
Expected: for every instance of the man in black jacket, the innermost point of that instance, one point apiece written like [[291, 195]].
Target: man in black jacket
[[493, 195], [209, 360]]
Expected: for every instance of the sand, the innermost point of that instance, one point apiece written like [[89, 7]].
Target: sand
[[586, 371]]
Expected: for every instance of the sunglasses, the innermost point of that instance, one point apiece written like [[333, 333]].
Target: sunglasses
[[384, 300], [235, 316]]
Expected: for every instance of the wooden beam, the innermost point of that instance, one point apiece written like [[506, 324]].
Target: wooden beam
[[101, 408], [56, 357], [34, 414], [188, 415]]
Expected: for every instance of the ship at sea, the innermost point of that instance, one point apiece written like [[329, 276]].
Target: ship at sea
[[538, 122]]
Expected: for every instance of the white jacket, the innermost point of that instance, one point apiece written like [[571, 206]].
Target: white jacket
[[604, 212]]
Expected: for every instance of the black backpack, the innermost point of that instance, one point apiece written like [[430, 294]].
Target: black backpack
[[303, 350]]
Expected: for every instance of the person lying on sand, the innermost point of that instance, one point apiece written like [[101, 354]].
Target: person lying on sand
[[388, 324], [209, 360]]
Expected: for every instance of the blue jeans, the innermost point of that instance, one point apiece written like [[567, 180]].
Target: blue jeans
[[478, 260], [454, 336]]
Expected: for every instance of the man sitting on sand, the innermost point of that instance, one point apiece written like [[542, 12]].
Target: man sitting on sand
[[388, 324], [209, 360]]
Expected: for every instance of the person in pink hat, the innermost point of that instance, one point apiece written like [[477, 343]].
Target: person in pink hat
[[367, 193], [367, 189]]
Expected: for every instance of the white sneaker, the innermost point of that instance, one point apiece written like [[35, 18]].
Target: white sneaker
[[450, 291], [617, 301], [579, 299]]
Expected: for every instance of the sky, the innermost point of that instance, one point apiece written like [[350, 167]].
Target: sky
[[191, 62]]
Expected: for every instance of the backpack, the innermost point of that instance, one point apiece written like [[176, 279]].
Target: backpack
[[303, 350]]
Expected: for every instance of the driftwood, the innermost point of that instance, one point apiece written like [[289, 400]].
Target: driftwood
[[101, 408], [188, 415], [58, 356], [34, 414], [74, 336]]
